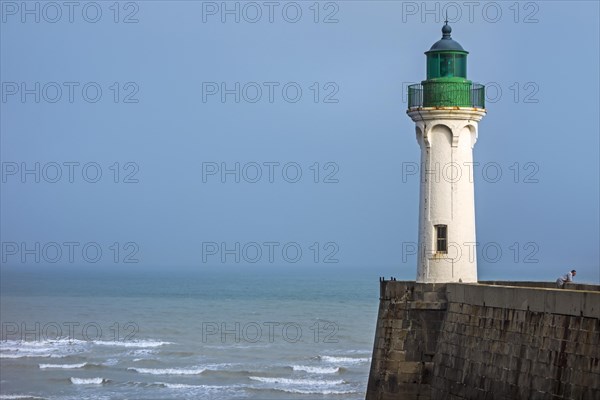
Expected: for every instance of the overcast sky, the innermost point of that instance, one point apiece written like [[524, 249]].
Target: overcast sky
[[275, 133]]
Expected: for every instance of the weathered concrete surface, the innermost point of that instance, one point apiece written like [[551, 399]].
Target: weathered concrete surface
[[493, 342], [547, 285], [410, 319]]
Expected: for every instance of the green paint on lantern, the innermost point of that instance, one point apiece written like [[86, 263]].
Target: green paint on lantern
[[447, 84]]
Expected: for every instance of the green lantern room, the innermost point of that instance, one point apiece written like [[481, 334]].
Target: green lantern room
[[447, 84], [446, 58]]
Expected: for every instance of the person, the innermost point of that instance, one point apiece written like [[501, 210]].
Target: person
[[568, 277]]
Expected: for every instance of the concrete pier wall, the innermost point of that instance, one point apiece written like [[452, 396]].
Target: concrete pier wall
[[476, 341], [409, 321]]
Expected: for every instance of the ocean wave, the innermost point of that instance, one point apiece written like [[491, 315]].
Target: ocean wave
[[292, 381], [141, 352], [137, 343], [53, 344], [30, 349], [42, 348], [29, 355], [168, 371], [316, 391], [344, 360], [36, 343], [221, 367], [232, 390], [87, 381], [19, 397], [353, 351], [316, 370], [179, 386], [64, 366], [30, 344]]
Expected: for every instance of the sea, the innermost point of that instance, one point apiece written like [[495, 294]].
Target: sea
[[210, 333]]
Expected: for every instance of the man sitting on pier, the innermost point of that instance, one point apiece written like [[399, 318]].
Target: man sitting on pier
[[568, 277]]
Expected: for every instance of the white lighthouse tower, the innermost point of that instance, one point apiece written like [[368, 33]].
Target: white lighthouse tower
[[446, 108]]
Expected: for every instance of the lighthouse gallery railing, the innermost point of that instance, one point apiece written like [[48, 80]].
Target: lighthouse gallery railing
[[446, 94]]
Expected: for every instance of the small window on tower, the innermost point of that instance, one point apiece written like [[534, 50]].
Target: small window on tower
[[441, 238]]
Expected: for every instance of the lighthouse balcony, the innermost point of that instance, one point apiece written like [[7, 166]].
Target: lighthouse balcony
[[446, 94]]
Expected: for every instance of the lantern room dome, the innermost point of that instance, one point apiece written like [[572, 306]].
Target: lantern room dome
[[446, 43], [446, 84]]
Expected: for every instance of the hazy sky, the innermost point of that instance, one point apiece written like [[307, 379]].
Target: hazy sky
[[196, 134]]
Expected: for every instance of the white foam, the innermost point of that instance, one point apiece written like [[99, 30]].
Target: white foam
[[204, 388], [345, 360], [311, 391], [180, 386], [316, 370], [141, 352], [138, 343], [84, 381], [18, 396], [290, 381], [168, 371], [355, 351], [30, 349], [32, 355], [221, 366], [19, 344], [64, 366], [41, 348]]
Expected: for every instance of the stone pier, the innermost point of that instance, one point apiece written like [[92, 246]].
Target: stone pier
[[493, 340]]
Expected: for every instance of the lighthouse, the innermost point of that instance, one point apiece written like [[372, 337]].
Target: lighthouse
[[446, 109]]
